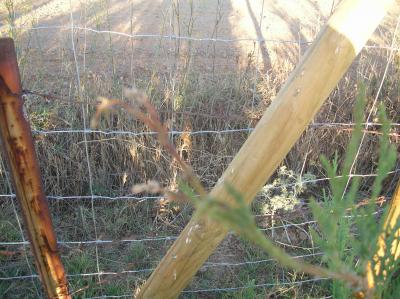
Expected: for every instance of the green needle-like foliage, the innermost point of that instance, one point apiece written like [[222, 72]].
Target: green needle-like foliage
[[347, 233]]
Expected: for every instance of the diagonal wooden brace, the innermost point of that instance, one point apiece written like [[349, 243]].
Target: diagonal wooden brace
[[319, 71]]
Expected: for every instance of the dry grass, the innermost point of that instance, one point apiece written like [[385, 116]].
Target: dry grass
[[190, 96]]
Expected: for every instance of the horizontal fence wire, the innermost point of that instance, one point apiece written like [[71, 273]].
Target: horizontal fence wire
[[162, 238], [262, 285], [78, 197], [214, 290], [200, 132], [165, 238], [177, 133], [205, 266], [144, 198], [181, 37]]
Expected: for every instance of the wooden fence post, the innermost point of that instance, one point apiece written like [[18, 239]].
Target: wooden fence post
[[19, 152], [319, 71], [391, 223]]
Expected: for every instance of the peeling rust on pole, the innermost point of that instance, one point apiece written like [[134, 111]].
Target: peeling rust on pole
[[19, 152]]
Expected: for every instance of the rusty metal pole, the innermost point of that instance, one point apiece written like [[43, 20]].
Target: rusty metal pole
[[19, 152]]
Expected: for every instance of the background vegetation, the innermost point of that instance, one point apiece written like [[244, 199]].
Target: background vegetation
[[196, 86]]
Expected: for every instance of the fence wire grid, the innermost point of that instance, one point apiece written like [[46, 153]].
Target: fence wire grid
[[200, 71]]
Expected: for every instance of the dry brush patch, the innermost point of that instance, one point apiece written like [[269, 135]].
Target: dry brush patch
[[195, 97], [120, 161]]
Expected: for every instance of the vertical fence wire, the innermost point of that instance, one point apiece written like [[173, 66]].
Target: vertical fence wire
[[257, 65], [375, 101], [84, 112], [173, 51]]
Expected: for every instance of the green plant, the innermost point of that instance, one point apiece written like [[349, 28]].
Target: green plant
[[249, 291], [10, 18], [216, 101], [137, 252], [40, 120], [80, 262], [8, 231], [348, 234]]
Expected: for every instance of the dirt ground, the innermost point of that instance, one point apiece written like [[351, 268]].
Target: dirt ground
[[119, 41], [283, 24], [122, 38]]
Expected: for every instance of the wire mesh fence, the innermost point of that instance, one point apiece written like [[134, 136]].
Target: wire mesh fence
[[211, 82]]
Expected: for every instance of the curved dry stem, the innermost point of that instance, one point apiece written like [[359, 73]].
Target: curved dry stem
[[150, 118]]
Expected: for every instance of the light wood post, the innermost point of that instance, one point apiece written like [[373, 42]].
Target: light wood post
[[319, 71], [391, 223], [19, 152]]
